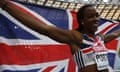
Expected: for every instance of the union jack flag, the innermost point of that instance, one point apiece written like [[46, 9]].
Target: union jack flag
[[24, 50], [105, 27]]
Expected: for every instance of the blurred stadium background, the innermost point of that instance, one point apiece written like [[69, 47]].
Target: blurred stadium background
[[109, 9]]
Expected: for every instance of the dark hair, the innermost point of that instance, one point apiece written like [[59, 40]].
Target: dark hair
[[80, 15]]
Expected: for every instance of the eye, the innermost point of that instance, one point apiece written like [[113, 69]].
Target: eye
[[91, 16], [97, 14]]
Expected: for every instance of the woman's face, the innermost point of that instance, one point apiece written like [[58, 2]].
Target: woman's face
[[90, 20]]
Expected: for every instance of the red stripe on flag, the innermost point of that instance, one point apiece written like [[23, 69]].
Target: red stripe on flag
[[25, 11], [112, 45], [32, 54], [104, 30], [27, 54], [49, 69], [75, 22]]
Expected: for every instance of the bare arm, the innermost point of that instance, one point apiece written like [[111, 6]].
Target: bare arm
[[64, 36], [111, 36]]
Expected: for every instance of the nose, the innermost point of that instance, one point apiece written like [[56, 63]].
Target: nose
[[96, 18]]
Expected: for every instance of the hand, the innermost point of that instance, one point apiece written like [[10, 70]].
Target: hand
[[3, 3]]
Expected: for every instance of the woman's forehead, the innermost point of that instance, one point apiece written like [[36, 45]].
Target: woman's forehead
[[90, 10]]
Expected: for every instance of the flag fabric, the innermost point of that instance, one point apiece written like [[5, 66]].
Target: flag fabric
[[105, 27], [24, 50]]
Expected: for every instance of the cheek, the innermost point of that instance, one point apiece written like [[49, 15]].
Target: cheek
[[87, 26], [88, 23]]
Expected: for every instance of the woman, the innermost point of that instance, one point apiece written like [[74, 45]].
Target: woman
[[80, 40]]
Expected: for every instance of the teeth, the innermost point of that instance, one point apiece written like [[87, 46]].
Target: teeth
[[95, 24]]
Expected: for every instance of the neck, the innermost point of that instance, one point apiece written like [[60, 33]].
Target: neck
[[92, 34]]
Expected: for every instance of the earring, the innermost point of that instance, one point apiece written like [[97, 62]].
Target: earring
[[82, 23]]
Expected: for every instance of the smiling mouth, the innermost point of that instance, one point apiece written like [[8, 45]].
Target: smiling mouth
[[95, 27]]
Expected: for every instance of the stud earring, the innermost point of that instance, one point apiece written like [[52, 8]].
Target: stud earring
[[82, 23]]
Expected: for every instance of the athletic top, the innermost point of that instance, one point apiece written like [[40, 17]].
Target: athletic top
[[85, 55]]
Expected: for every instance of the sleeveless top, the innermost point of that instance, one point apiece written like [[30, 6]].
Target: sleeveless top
[[85, 55]]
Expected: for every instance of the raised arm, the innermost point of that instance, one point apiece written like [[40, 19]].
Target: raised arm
[[111, 36], [64, 36]]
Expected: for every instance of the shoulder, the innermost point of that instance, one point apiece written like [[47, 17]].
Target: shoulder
[[77, 36], [76, 40]]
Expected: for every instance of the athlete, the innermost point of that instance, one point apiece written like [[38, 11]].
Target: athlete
[[87, 47]]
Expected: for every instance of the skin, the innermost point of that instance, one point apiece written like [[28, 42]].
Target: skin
[[90, 21], [71, 37]]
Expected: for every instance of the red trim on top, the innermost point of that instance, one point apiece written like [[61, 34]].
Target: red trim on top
[[87, 50]]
